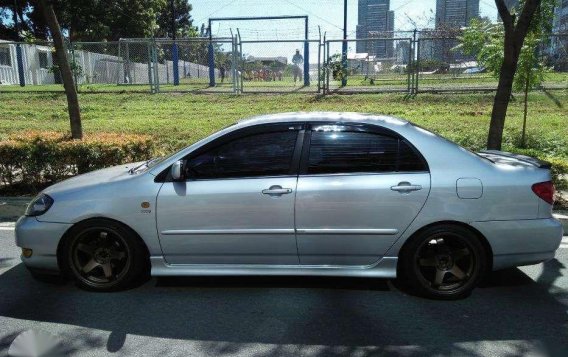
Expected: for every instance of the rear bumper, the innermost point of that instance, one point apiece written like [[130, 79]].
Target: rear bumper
[[521, 242], [43, 238]]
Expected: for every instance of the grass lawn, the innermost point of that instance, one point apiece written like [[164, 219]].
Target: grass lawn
[[175, 120]]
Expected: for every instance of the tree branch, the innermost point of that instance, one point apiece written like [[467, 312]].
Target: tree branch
[[506, 17]]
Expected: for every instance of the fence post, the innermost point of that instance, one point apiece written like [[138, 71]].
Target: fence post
[[175, 64], [319, 61], [20, 60], [240, 41], [127, 74], [150, 68], [234, 62], [156, 66], [211, 63], [409, 67], [328, 68], [417, 66], [306, 63]]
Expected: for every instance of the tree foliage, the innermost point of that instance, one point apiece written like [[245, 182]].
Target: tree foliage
[[99, 20], [512, 51], [484, 40]]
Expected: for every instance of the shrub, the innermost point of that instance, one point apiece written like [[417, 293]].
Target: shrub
[[559, 173], [36, 159]]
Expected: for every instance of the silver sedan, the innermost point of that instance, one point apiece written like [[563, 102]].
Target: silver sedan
[[324, 194]]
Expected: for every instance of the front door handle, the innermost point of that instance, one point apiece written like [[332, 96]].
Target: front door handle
[[405, 187], [276, 191]]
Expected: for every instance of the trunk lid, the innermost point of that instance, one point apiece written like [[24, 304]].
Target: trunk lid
[[507, 158]]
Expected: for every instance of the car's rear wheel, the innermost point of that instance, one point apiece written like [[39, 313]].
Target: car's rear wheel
[[103, 255], [443, 262]]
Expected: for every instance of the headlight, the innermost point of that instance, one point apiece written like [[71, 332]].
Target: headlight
[[39, 205]]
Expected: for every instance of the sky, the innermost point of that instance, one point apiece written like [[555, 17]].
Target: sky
[[328, 14]]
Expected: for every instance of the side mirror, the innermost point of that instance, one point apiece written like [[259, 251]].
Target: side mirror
[[177, 170]]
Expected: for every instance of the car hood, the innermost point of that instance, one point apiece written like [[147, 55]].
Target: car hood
[[94, 178]]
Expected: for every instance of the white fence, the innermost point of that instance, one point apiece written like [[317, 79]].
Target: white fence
[[91, 66]]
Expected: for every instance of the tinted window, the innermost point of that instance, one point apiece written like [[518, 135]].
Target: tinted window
[[347, 152], [266, 154], [409, 160]]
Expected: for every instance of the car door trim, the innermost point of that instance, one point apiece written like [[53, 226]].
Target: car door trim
[[381, 231], [173, 232]]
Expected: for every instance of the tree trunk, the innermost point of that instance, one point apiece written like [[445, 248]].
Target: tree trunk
[[64, 69], [500, 105], [514, 38]]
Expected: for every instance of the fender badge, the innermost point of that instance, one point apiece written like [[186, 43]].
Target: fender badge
[[145, 204]]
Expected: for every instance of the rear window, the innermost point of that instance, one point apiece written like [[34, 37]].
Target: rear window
[[336, 151]]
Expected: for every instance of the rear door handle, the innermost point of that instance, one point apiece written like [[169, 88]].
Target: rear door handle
[[276, 191], [406, 187]]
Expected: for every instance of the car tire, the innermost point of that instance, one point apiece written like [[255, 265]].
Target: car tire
[[104, 255], [443, 262]]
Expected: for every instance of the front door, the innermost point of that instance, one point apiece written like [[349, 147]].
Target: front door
[[357, 193], [237, 206]]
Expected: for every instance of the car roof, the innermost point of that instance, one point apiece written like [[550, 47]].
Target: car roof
[[324, 116]]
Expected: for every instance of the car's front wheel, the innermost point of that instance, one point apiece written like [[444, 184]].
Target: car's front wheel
[[443, 262], [104, 255]]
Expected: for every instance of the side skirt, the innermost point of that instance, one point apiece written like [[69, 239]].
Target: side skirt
[[384, 268]]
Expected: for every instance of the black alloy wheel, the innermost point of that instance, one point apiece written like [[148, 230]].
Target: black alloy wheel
[[104, 255], [444, 262]]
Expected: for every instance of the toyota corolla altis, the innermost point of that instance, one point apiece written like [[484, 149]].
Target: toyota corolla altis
[[324, 194]]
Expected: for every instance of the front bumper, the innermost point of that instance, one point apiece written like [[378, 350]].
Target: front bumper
[[43, 238], [521, 242]]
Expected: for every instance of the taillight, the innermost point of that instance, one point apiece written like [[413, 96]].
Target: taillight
[[544, 190]]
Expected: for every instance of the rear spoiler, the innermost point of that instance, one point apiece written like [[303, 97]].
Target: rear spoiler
[[526, 159]]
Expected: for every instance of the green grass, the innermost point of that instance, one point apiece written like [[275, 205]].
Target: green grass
[[176, 120]]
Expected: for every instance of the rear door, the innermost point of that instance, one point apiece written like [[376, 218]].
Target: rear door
[[359, 188]]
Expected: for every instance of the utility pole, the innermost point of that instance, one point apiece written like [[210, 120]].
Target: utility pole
[[344, 47], [175, 54]]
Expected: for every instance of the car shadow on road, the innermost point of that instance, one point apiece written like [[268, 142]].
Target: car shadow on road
[[338, 315]]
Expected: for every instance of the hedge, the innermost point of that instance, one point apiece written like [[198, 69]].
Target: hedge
[[36, 159]]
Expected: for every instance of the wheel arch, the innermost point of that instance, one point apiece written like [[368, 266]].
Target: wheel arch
[[60, 258]]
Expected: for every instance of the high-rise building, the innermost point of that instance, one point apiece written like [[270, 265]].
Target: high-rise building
[[559, 41], [560, 23], [455, 13], [375, 20]]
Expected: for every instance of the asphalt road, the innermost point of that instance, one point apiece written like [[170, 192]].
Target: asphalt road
[[518, 312]]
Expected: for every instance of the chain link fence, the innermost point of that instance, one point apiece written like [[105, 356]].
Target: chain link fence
[[405, 62], [280, 66], [368, 65], [441, 66]]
